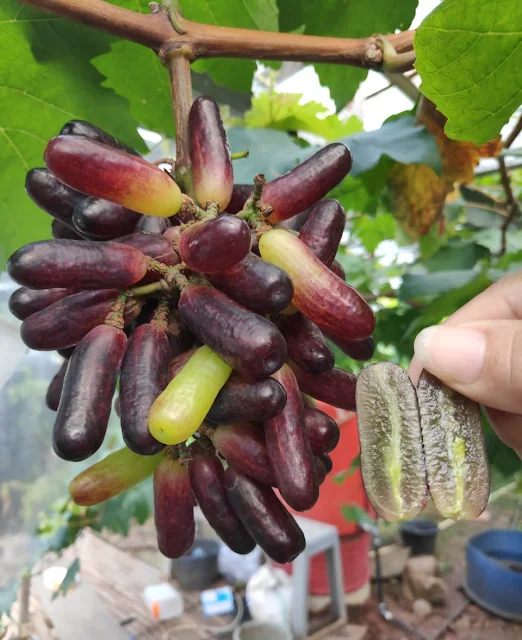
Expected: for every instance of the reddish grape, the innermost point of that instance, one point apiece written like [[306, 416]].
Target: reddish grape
[[179, 361], [77, 265], [85, 405], [250, 344], [335, 387], [256, 284], [240, 194], [215, 245], [337, 268], [318, 293], [357, 349], [289, 449], [54, 390], [52, 196], [296, 223], [323, 230], [243, 446], [322, 431], [88, 130], [207, 479], [173, 508], [307, 183], [212, 173], [264, 517], [24, 302], [103, 219], [144, 375], [251, 400], [306, 344], [113, 175]]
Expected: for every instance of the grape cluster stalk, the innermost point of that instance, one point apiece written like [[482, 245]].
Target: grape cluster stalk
[[213, 311]]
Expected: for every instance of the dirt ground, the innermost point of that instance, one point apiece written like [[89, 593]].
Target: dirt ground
[[474, 623]]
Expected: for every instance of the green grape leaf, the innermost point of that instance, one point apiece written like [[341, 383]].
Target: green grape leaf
[[371, 231], [456, 255], [354, 513], [46, 80], [469, 57], [348, 19], [355, 464], [249, 14], [429, 284]]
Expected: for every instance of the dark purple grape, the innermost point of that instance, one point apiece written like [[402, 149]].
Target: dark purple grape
[[264, 517], [327, 461], [77, 265], [247, 400], [243, 446], [212, 173], [307, 183], [296, 223], [104, 219], [64, 323], [215, 245], [173, 508], [357, 349], [256, 284], [179, 337], [240, 194], [250, 344], [320, 469], [152, 224], [335, 387], [207, 479], [48, 193], [61, 231], [179, 361], [322, 431], [306, 344], [338, 269], [289, 450], [54, 390], [24, 302], [152, 245], [88, 130], [144, 375], [66, 353], [323, 230], [85, 405]]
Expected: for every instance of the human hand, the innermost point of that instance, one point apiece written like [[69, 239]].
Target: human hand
[[478, 352]]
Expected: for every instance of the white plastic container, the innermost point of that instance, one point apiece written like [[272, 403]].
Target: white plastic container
[[163, 601]]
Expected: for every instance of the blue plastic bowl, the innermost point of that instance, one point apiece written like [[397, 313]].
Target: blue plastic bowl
[[494, 572]]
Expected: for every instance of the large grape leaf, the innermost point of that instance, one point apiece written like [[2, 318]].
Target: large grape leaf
[[348, 19], [469, 57], [46, 80], [249, 14]]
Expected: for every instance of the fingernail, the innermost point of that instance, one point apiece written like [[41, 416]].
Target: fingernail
[[451, 353]]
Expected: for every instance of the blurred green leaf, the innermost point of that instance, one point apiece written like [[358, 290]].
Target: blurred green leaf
[[414, 285], [69, 579], [354, 513], [372, 231], [340, 477], [456, 255]]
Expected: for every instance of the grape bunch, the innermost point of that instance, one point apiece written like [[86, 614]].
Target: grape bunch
[[213, 309]]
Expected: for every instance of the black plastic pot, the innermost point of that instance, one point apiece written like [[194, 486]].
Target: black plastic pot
[[197, 569], [420, 536]]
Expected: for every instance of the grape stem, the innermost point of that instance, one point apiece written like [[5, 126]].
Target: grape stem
[[239, 155], [161, 314], [115, 316], [210, 41]]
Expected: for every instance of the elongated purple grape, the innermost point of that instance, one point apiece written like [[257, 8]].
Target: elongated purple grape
[[77, 265], [152, 245], [318, 293], [322, 431], [306, 344], [56, 199], [64, 323], [112, 175], [88, 130], [215, 245], [335, 387], [54, 390], [179, 361], [256, 284], [240, 194], [85, 405], [320, 469], [288, 448], [144, 375], [357, 349], [66, 353], [338, 269], [264, 517], [152, 224], [296, 223], [247, 400], [173, 235], [307, 183], [61, 231], [179, 337], [212, 173], [250, 344], [327, 461], [243, 446], [323, 230], [24, 302], [207, 479], [173, 508], [104, 219]]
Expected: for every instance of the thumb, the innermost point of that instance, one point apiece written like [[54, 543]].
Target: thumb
[[482, 360]]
